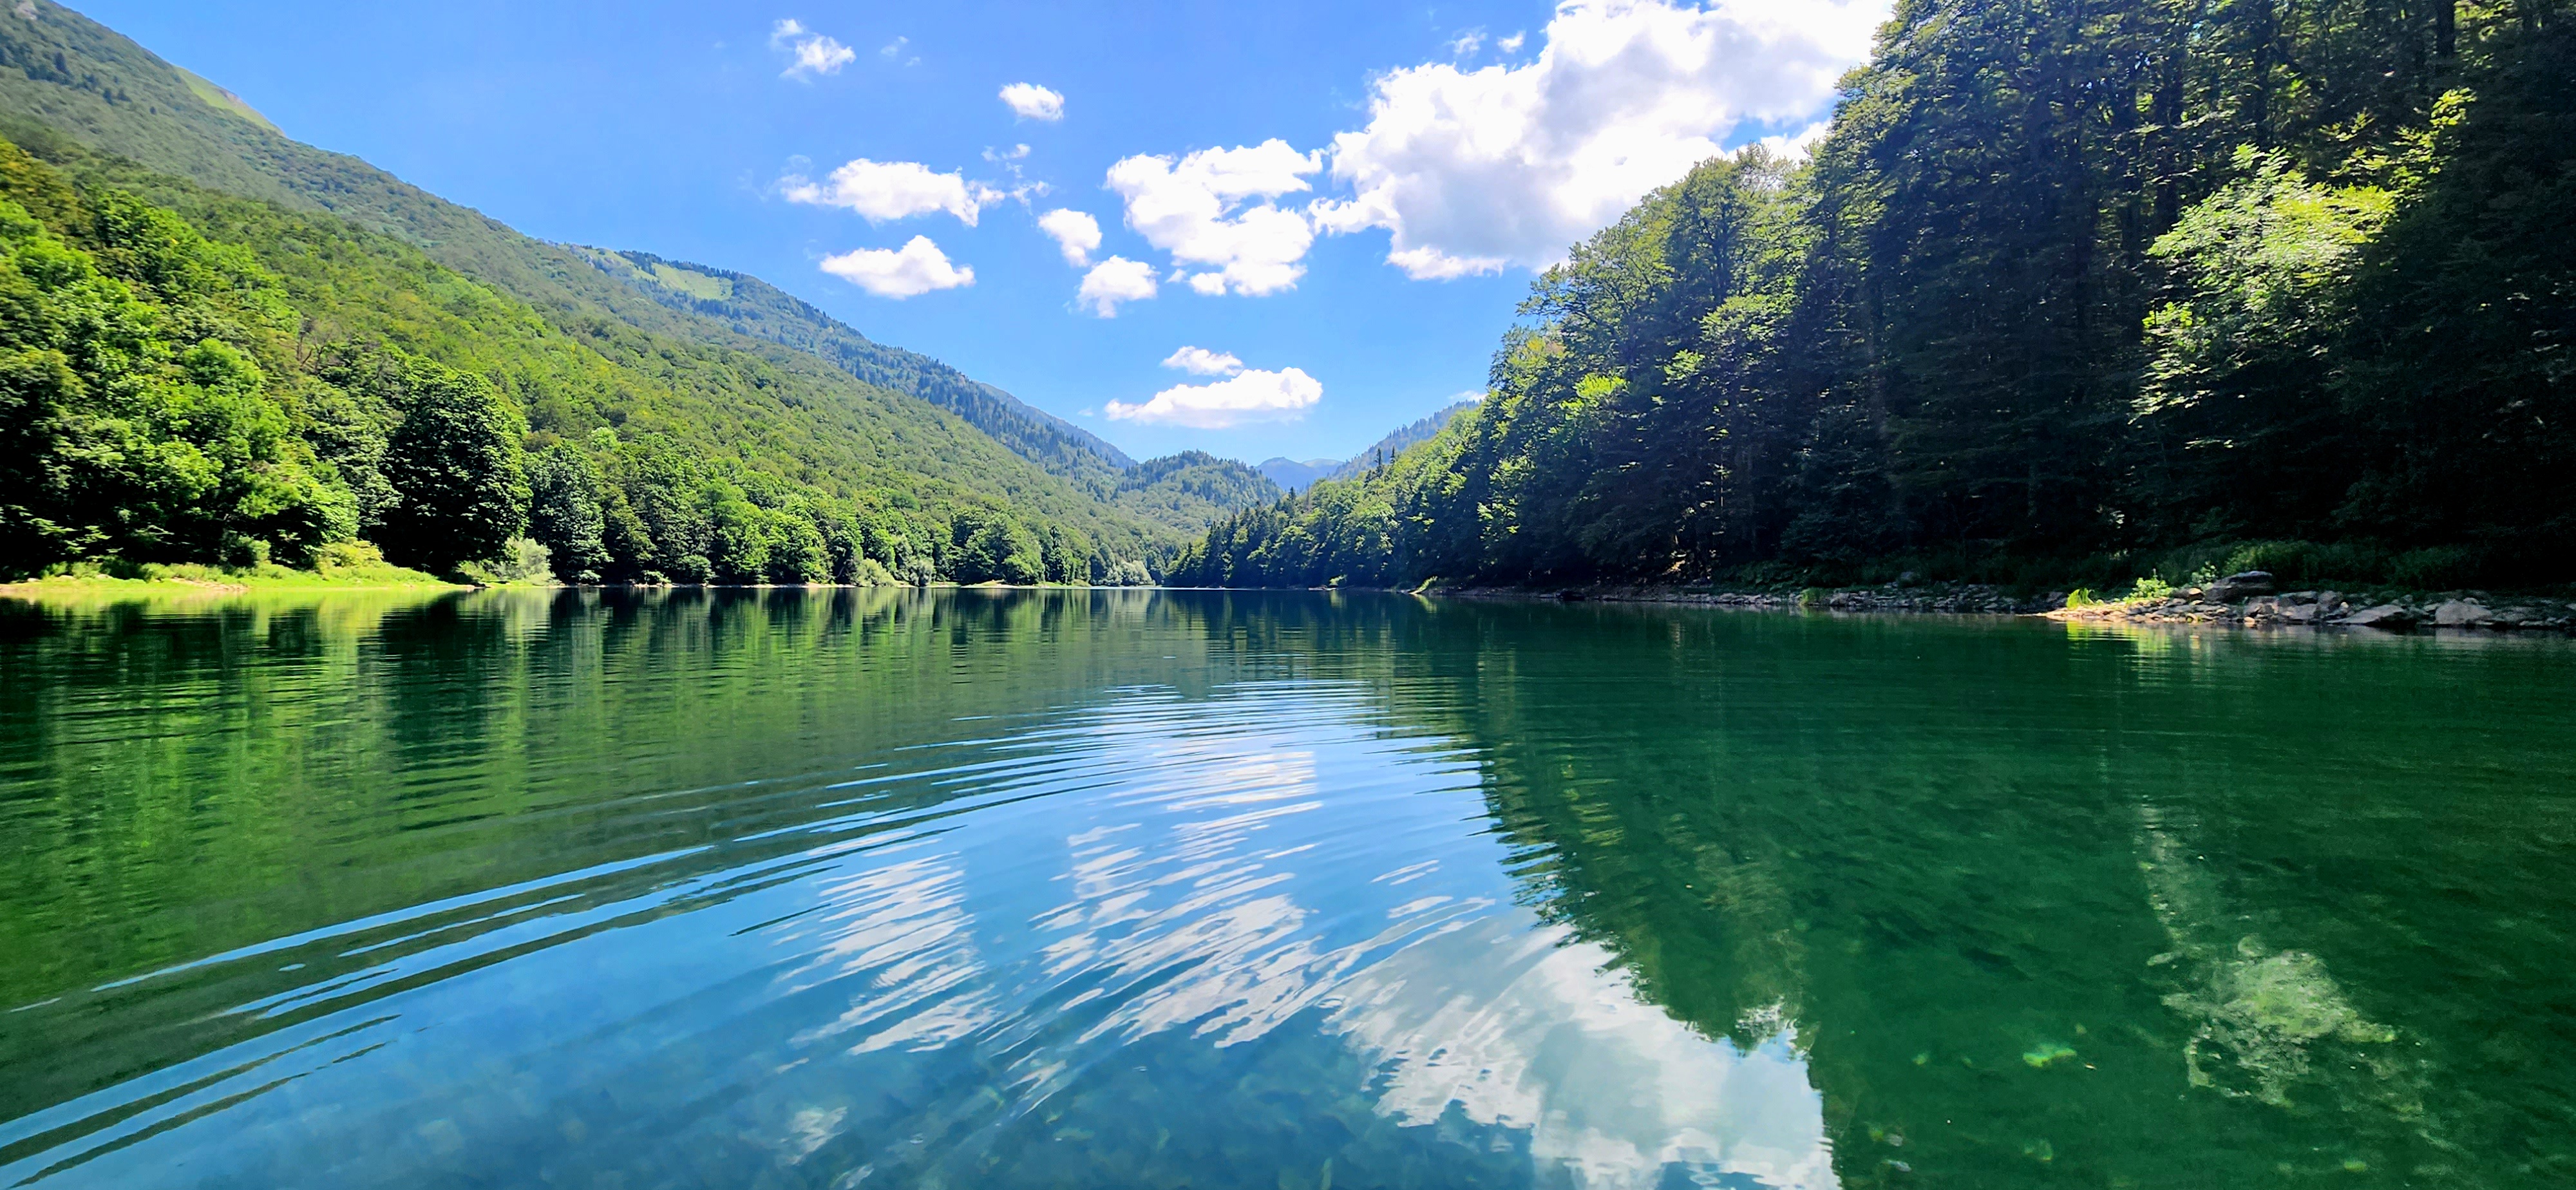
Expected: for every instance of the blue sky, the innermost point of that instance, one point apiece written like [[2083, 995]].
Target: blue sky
[[1337, 204]]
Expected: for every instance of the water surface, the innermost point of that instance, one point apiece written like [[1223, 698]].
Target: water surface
[[1104, 889]]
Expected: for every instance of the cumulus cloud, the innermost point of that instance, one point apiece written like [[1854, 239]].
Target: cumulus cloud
[[1253, 396], [1212, 209], [1077, 235], [1799, 143], [1200, 361], [910, 271], [1033, 102], [885, 190], [1112, 282], [1471, 170], [810, 53]]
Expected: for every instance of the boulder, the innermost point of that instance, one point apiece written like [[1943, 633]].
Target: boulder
[[2462, 613], [2240, 585], [2301, 613], [2387, 615]]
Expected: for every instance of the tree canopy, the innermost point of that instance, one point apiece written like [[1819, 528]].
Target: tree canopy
[[2069, 288]]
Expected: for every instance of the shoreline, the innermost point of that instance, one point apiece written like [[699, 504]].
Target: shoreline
[[2391, 611]]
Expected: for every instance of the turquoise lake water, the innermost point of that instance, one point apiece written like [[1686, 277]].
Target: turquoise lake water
[[1147, 889]]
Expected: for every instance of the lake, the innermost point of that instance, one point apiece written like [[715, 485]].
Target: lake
[[1144, 889]]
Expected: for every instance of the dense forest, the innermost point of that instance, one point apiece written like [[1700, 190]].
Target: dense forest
[[723, 431], [1187, 490], [2072, 292], [233, 382]]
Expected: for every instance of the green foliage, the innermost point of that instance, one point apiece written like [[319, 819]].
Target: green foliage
[[455, 464], [2066, 289], [567, 512], [992, 547], [341, 386], [581, 341], [521, 562], [135, 416]]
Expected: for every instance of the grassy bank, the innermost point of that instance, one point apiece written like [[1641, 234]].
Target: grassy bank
[[84, 581]]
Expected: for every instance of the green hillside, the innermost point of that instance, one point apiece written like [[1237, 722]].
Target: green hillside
[[198, 377], [754, 307], [1181, 491], [85, 81], [579, 350], [1399, 440], [2071, 295]]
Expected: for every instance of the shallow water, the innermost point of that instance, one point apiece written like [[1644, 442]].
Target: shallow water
[[1161, 889]]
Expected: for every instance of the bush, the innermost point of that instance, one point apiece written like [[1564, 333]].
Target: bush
[[522, 563], [348, 555]]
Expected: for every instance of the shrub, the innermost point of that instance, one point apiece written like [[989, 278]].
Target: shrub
[[348, 555], [522, 562]]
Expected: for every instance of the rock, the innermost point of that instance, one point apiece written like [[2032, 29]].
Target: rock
[[2462, 613], [2301, 613], [2387, 615], [2240, 585]]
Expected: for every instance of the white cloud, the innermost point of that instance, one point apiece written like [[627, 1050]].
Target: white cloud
[[1033, 102], [1512, 44], [813, 53], [1466, 44], [1799, 143], [915, 269], [1200, 361], [884, 190], [1473, 170], [894, 49], [1076, 235], [1430, 264], [1199, 210], [1252, 396], [1112, 281]]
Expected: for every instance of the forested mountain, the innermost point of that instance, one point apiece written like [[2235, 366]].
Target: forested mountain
[[757, 308], [748, 407], [1182, 491], [2071, 292], [1397, 441], [197, 377]]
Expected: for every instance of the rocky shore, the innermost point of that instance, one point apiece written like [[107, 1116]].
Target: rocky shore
[[2229, 602], [1953, 599], [2240, 600]]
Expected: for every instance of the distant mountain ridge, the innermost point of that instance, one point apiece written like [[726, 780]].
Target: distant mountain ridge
[[1297, 476]]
